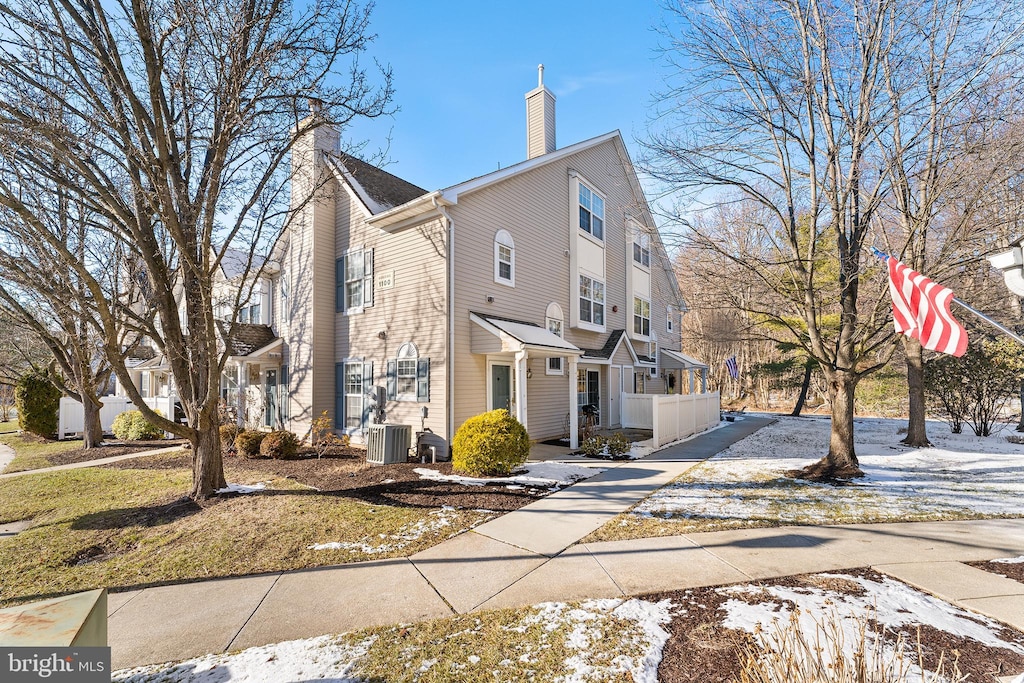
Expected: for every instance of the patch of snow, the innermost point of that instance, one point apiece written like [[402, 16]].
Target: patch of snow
[[892, 604], [406, 535], [1010, 560], [961, 474], [242, 488], [322, 658], [541, 474]]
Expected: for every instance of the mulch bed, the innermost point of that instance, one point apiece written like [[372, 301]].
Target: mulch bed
[[109, 450], [346, 473], [1010, 571], [701, 650]]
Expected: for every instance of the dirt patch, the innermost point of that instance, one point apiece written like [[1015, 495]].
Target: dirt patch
[[701, 649], [1013, 571], [108, 451], [347, 474]]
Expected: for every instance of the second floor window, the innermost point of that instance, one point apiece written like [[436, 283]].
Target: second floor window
[[591, 300], [641, 316], [642, 249], [591, 212], [353, 279], [554, 323], [504, 259]]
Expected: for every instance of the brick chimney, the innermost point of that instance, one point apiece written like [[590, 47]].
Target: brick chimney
[[540, 118]]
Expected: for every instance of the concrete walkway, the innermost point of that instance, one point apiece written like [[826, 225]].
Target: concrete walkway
[[7, 455], [79, 465], [529, 556]]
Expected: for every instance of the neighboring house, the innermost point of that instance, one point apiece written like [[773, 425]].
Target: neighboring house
[[540, 288]]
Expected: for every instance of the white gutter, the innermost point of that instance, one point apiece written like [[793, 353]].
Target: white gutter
[[1012, 264], [450, 292]]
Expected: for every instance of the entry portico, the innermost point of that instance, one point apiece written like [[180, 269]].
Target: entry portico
[[508, 345]]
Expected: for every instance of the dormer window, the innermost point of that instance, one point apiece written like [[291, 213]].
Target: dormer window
[[591, 212], [642, 249], [504, 259]]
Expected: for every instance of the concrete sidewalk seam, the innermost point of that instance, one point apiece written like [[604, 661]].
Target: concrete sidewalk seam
[[121, 607], [432, 586], [603, 568], [251, 614]]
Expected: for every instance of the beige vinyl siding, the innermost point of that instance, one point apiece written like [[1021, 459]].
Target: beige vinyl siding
[[413, 310], [534, 207]]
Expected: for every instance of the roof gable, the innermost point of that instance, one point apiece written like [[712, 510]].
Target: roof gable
[[378, 190]]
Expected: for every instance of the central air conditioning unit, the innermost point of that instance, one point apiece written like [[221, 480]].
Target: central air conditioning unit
[[387, 444]]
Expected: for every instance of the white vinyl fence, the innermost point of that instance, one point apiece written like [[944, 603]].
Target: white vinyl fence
[[671, 417], [71, 417]]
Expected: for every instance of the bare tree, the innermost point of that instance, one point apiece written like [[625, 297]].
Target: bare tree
[[172, 122]]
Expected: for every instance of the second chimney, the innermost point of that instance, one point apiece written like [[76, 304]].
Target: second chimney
[[540, 119]]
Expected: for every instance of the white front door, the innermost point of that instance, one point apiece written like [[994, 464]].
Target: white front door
[[614, 389]]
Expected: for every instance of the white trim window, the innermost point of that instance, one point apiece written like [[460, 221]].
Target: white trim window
[[642, 249], [554, 321], [353, 281], [669, 319], [353, 392], [641, 316], [504, 259], [408, 375], [591, 300], [591, 212]]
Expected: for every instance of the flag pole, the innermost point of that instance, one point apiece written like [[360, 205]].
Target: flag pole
[[990, 321]]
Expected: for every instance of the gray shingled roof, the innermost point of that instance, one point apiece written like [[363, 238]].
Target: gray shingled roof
[[608, 349], [246, 338], [385, 190]]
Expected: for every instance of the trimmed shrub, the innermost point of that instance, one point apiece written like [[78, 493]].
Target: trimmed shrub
[[490, 444], [593, 447], [281, 444], [618, 445], [228, 433], [37, 402], [248, 442], [131, 425]]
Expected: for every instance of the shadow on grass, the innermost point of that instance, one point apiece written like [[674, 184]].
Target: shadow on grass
[[146, 516]]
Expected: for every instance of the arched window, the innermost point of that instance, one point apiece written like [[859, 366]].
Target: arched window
[[408, 375], [504, 259], [554, 322]]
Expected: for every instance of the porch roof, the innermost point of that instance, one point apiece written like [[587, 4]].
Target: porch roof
[[516, 335], [674, 360]]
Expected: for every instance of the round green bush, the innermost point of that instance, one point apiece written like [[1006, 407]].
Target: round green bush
[[131, 425], [37, 401], [247, 443], [491, 444], [228, 433], [281, 444]]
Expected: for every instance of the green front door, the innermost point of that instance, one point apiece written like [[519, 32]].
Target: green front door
[[501, 387]]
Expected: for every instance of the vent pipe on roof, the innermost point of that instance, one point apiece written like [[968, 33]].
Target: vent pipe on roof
[[540, 118]]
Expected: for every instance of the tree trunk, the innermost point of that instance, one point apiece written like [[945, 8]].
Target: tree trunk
[[207, 461], [92, 430], [917, 434], [1020, 424], [805, 386], [841, 461]]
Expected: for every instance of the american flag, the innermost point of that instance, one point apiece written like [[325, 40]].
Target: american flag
[[730, 365], [920, 309]]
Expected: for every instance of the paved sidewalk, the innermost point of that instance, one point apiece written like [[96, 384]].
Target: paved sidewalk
[[529, 556], [86, 463]]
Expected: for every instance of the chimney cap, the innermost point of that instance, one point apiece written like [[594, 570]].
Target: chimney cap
[[315, 105]]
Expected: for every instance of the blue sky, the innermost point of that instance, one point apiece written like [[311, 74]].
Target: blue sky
[[461, 71]]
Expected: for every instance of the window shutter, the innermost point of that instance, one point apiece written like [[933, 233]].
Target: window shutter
[[392, 379], [339, 395], [423, 380], [367, 392], [339, 284], [282, 403], [368, 277]]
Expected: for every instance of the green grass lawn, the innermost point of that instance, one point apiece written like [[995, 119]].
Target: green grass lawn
[[31, 452], [119, 528]]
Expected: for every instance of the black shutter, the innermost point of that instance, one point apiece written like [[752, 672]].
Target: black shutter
[[392, 379], [423, 380], [339, 284]]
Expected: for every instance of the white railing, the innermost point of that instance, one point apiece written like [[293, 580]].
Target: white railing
[[671, 417], [71, 416]]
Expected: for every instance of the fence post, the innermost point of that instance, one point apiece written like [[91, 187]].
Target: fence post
[[654, 420]]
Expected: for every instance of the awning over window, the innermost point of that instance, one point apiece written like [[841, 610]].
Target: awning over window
[[497, 335], [674, 360]]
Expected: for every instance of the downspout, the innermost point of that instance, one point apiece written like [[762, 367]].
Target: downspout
[[449, 294]]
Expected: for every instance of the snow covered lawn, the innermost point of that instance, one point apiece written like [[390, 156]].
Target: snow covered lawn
[[550, 475], [963, 476]]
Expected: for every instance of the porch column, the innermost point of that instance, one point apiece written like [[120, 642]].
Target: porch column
[[521, 360], [574, 426]]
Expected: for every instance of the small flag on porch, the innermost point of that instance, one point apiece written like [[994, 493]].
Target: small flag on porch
[[920, 309], [730, 365]]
